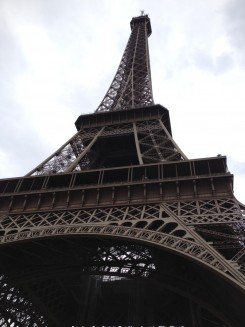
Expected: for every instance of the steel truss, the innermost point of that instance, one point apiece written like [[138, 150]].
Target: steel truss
[[53, 274], [16, 309], [172, 225], [131, 86], [152, 140], [120, 206]]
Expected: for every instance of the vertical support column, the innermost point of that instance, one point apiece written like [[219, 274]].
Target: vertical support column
[[87, 314], [77, 160], [137, 144], [170, 138], [148, 64], [135, 317], [196, 320], [133, 67]]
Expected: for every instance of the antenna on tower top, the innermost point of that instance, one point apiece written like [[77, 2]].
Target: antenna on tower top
[[142, 12]]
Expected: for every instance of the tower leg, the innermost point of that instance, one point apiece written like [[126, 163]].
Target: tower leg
[[135, 314], [87, 312], [196, 320]]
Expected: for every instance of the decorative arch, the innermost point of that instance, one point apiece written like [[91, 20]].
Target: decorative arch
[[184, 247]]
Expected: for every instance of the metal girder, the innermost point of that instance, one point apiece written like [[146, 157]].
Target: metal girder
[[120, 177], [138, 220], [15, 308], [153, 143], [131, 86]]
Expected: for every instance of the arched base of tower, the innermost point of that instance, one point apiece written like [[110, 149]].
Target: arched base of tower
[[81, 281]]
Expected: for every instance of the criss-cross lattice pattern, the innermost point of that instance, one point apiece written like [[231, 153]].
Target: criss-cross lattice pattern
[[105, 261], [155, 144], [43, 278], [46, 268], [154, 141], [73, 151], [214, 211], [219, 221], [15, 309], [164, 219], [131, 86], [206, 230], [151, 217], [122, 129]]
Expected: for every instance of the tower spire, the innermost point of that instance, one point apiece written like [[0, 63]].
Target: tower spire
[[120, 202], [131, 86]]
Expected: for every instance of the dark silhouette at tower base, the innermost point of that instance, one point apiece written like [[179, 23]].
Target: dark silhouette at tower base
[[118, 226]]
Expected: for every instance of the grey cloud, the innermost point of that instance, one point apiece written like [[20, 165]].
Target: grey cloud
[[237, 166], [217, 65], [223, 63], [19, 141], [203, 60], [235, 23], [11, 64], [11, 60]]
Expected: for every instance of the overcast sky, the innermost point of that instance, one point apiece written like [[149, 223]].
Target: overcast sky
[[58, 57]]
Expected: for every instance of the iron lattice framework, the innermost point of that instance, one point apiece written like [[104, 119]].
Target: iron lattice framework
[[131, 86], [117, 211]]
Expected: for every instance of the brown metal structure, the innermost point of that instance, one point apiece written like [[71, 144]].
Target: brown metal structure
[[118, 226]]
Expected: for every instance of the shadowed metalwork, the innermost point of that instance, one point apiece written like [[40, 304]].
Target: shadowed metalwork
[[119, 211]]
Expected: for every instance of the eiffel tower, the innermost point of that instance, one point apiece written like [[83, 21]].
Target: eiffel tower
[[118, 226]]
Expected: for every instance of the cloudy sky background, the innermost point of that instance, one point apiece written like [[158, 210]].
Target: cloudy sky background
[[58, 57]]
